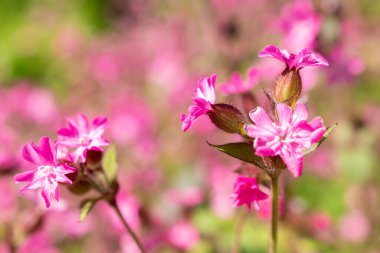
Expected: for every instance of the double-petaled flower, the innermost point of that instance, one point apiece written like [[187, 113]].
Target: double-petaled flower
[[247, 192], [82, 136], [48, 173], [287, 136]]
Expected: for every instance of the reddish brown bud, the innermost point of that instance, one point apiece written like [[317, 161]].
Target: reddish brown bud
[[228, 118]]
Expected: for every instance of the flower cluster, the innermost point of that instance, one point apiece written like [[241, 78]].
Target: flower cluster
[[270, 142], [53, 163]]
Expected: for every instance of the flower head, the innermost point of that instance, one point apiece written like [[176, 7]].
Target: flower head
[[305, 58], [287, 136], [204, 98], [237, 85], [48, 173], [246, 192], [82, 136]]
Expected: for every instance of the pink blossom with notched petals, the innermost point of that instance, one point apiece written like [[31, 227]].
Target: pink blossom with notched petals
[[246, 192], [49, 171], [83, 136], [305, 58], [237, 85], [204, 98], [286, 137]]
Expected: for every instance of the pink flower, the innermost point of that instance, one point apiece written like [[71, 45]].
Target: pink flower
[[286, 137], [83, 136], [298, 61], [204, 98], [300, 25], [246, 192], [183, 235], [49, 171], [237, 85]]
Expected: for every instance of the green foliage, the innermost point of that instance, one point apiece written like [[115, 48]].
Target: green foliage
[[241, 150], [109, 163], [86, 206]]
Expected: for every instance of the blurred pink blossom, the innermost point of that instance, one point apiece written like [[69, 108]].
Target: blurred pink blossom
[[8, 201], [190, 196], [204, 98], [39, 242], [344, 68], [300, 25], [49, 171], [246, 192], [83, 136], [320, 222], [237, 85], [287, 137], [183, 235], [354, 227]]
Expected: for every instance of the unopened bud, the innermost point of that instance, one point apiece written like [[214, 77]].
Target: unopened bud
[[228, 118], [288, 87]]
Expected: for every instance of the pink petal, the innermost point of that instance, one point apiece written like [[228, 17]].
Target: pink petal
[[186, 122], [294, 164], [260, 117], [284, 113], [45, 150], [99, 121], [307, 58], [67, 132], [46, 196], [272, 51], [30, 153], [300, 113], [25, 176]]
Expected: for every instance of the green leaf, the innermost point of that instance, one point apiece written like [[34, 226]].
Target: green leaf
[[109, 163], [85, 207], [241, 150], [316, 145]]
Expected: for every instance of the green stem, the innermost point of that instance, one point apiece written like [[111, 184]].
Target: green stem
[[238, 231], [129, 229], [273, 244]]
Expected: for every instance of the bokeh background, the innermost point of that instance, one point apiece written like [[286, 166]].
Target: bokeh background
[[137, 62]]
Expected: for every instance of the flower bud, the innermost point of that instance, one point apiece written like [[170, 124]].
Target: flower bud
[[228, 118], [288, 87]]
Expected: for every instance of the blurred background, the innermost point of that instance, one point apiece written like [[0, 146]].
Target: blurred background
[[137, 63]]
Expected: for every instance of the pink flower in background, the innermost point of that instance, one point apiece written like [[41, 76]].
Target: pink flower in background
[[344, 67], [354, 227], [246, 192], [183, 235], [190, 196], [286, 137], [320, 222], [83, 136], [305, 58], [300, 25], [38, 242], [237, 85], [204, 98], [49, 171]]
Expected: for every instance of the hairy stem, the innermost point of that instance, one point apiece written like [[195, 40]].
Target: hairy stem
[[273, 244], [127, 227]]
